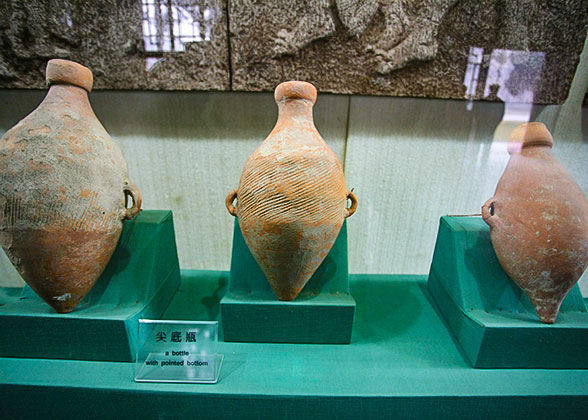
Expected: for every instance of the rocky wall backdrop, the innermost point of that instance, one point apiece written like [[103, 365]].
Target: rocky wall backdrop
[[498, 50]]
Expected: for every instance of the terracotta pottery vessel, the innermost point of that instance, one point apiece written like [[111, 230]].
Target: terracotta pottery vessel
[[63, 191], [538, 221], [291, 200]]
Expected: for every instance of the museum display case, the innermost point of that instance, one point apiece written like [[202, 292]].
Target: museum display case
[[430, 302]]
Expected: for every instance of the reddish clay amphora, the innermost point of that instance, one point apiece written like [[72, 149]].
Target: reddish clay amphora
[[291, 198], [63, 191], [538, 221]]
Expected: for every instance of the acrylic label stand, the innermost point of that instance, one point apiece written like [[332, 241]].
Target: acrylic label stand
[[177, 351]]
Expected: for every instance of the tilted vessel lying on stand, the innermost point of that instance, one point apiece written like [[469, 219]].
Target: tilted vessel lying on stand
[[538, 221]]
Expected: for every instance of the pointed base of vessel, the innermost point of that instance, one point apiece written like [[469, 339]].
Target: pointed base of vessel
[[289, 293], [547, 309], [289, 254], [289, 266], [61, 266], [285, 280], [548, 301]]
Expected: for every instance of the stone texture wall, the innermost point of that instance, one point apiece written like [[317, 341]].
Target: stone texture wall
[[128, 44], [498, 50]]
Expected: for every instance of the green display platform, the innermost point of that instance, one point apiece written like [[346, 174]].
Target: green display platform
[[492, 319], [401, 363], [138, 282], [322, 313]]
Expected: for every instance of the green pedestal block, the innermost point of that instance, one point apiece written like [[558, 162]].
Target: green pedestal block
[[401, 363], [138, 282], [490, 316], [321, 314]]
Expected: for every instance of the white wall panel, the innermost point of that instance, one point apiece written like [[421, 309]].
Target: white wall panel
[[412, 161], [409, 160]]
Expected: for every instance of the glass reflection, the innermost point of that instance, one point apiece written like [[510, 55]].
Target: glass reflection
[[513, 76], [170, 25], [472, 74]]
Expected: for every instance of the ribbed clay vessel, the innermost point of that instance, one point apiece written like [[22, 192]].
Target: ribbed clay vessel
[[538, 221], [291, 200], [63, 191]]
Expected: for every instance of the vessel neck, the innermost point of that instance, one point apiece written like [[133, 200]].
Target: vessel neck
[[533, 150], [299, 110], [69, 95]]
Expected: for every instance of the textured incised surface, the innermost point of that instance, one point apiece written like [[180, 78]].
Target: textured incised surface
[[291, 197], [62, 191], [538, 221]]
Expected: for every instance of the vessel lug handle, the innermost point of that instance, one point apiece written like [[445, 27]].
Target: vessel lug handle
[[229, 202], [353, 207], [489, 211], [131, 190]]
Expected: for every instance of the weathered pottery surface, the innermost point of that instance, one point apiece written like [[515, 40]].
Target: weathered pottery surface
[[63, 191], [538, 221], [291, 200]]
